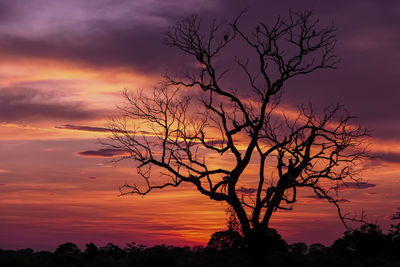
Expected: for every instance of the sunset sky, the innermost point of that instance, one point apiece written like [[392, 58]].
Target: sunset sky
[[63, 67]]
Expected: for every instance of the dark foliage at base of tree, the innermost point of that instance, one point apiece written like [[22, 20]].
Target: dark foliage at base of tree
[[366, 246], [225, 240]]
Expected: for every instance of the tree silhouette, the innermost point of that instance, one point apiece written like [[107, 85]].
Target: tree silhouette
[[298, 248], [230, 239], [113, 250], [67, 249], [91, 250], [225, 240], [168, 131], [368, 240]]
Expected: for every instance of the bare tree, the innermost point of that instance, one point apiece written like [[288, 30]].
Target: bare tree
[[315, 150]]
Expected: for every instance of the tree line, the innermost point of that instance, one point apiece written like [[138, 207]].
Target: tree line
[[368, 245]]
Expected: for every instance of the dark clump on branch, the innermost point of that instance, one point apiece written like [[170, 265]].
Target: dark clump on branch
[[172, 132]]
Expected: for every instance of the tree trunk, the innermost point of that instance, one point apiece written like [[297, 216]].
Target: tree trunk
[[256, 243], [262, 241]]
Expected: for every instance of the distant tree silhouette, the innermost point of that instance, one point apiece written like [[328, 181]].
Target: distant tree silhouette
[[396, 216], [274, 241], [298, 248], [68, 254], [317, 249], [225, 240], [394, 234], [133, 248], [91, 250], [67, 249], [113, 250], [368, 240], [172, 133]]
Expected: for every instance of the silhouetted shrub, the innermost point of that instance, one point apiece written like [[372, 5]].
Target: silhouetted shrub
[[274, 241], [225, 240], [113, 250], [91, 250], [67, 249], [298, 248], [317, 249], [366, 241], [68, 254], [198, 249]]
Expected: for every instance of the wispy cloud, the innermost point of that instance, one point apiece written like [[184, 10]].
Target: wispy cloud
[[322, 198], [246, 191], [23, 104], [83, 128], [354, 185], [391, 157], [101, 129], [103, 153]]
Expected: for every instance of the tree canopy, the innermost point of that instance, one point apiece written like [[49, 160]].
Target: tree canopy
[[174, 128]]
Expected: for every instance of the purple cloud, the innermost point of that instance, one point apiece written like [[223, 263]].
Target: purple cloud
[[103, 153], [95, 129], [354, 185], [22, 104], [88, 35], [387, 157], [7, 12], [108, 48], [246, 191], [319, 198], [83, 128], [215, 142], [314, 197]]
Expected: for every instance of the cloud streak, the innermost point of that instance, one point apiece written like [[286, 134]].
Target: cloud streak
[[246, 191], [342, 200], [354, 185], [83, 128], [103, 153], [390, 157], [27, 105], [101, 129]]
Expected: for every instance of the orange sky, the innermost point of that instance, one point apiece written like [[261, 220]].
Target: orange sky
[[49, 191], [50, 194]]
